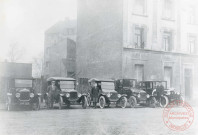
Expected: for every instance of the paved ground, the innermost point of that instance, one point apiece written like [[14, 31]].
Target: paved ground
[[115, 121]]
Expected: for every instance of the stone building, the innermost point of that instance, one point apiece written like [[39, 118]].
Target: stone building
[[60, 49], [142, 39]]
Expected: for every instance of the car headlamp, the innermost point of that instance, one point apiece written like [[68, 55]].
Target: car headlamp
[[17, 95], [108, 94], [79, 95], [67, 94], [31, 95], [138, 95], [119, 95], [148, 96], [168, 92]]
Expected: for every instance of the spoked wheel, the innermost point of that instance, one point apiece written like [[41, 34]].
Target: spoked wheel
[[152, 102], [164, 101], [102, 102], [84, 102], [132, 102], [60, 104], [88, 100], [123, 102]]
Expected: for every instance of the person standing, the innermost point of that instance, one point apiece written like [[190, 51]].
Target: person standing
[[53, 93], [95, 93]]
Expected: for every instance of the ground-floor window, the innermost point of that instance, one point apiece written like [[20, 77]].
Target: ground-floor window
[[168, 76]]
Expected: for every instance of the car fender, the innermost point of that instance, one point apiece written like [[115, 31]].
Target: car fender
[[153, 92], [123, 95], [9, 94]]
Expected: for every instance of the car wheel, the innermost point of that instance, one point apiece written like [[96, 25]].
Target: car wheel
[[60, 102], [102, 102], [132, 102], [164, 101], [152, 102], [88, 100], [123, 102], [84, 102]]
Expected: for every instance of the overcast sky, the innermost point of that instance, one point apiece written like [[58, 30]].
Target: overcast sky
[[25, 21]]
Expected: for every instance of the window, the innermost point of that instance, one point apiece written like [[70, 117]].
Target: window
[[47, 63], [139, 37], [167, 41], [168, 9], [140, 7], [192, 42], [70, 31], [70, 74], [139, 70], [192, 16]]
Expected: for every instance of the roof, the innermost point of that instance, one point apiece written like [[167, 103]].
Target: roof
[[60, 79], [154, 81], [100, 80]]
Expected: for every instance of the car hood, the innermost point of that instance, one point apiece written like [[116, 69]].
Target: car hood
[[108, 91], [68, 90], [23, 90]]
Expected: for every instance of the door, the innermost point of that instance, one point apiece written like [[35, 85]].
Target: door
[[168, 76], [139, 70], [188, 83]]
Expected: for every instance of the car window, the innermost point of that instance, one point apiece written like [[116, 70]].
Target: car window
[[107, 85], [67, 84], [19, 83]]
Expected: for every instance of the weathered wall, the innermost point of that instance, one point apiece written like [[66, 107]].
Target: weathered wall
[[99, 38]]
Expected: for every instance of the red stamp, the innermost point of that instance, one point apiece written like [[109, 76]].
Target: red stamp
[[178, 118]]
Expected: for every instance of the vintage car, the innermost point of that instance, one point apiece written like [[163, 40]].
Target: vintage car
[[68, 95], [22, 93], [134, 94], [107, 93], [167, 96]]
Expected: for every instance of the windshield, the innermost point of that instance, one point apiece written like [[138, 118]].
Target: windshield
[[129, 83], [67, 84], [23, 83], [107, 85], [155, 84]]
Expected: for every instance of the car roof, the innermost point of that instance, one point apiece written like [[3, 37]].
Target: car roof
[[60, 79], [23, 78], [153, 81], [100, 80]]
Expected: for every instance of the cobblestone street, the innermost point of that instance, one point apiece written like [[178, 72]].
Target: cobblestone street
[[130, 121]]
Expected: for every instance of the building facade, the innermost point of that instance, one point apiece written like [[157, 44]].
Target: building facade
[[141, 39], [60, 49]]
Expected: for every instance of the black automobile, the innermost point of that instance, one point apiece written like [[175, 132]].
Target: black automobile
[[22, 93], [68, 95], [168, 95], [135, 95], [107, 94]]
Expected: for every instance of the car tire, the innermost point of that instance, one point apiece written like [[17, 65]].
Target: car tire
[[88, 100], [84, 102], [102, 102], [162, 99], [123, 102], [132, 101], [60, 102], [152, 102]]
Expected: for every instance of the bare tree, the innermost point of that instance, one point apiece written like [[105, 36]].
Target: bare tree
[[37, 65], [15, 52]]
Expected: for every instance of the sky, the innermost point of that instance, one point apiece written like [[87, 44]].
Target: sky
[[23, 22]]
